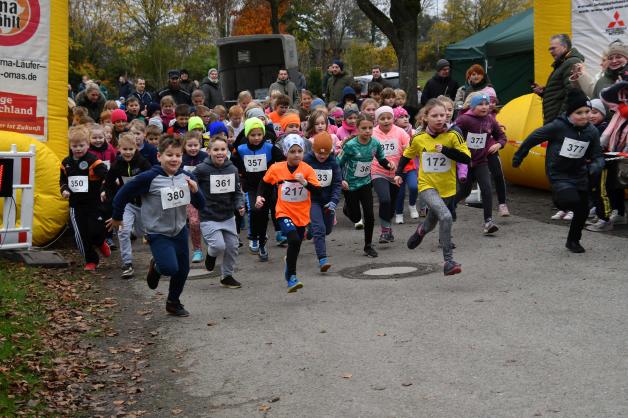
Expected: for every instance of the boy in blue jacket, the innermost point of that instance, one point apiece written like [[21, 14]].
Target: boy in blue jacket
[[165, 190], [323, 209]]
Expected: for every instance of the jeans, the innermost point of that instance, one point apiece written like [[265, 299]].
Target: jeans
[[172, 258], [322, 223]]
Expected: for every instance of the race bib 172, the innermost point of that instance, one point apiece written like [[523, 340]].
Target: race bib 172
[[435, 162]]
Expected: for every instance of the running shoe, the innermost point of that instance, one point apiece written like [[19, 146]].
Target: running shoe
[[152, 277], [90, 267], [197, 256], [176, 309], [210, 262], [127, 271], [451, 267], [281, 238], [112, 245], [415, 239], [490, 227], [254, 246], [324, 264], [503, 210], [592, 213], [568, 216], [359, 224], [399, 218], [105, 249], [600, 226], [559, 215], [386, 236], [263, 253], [574, 247], [617, 219], [230, 283], [294, 284], [369, 251], [414, 214]]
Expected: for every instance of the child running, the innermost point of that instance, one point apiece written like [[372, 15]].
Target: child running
[[355, 162], [218, 179], [193, 156], [165, 190], [410, 173], [295, 181], [436, 147]]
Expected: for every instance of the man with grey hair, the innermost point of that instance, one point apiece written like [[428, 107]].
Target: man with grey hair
[[554, 93], [211, 88]]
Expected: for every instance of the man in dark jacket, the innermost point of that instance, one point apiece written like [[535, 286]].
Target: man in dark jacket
[[125, 87], [142, 95], [440, 84], [337, 82], [211, 88], [285, 86], [174, 89], [376, 72], [554, 93], [185, 83]]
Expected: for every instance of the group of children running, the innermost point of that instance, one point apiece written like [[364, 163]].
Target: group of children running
[[184, 174]]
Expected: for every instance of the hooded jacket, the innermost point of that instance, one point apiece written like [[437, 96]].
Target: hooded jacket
[[106, 153], [74, 172], [326, 172], [220, 205], [122, 172], [213, 95], [250, 177], [347, 92], [555, 93], [93, 109], [469, 123], [288, 88], [335, 86]]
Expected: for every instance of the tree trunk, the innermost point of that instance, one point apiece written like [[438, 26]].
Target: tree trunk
[[274, 15], [408, 63]]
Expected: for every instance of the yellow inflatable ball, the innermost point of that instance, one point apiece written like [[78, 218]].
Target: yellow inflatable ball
[[50, 212]]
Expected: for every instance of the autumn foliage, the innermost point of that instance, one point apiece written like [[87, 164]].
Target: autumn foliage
[[254, 18]]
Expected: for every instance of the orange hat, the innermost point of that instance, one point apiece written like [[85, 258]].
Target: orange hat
[[288, 119], [323, 143]]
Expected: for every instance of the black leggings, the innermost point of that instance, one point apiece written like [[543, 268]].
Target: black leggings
[[483, 177], [568, 198], [259, 219], [387, 195], [495, 165], [364, 197], [295, 238]]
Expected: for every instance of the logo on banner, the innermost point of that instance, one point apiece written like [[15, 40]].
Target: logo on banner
[[617, 26], [19, 20]]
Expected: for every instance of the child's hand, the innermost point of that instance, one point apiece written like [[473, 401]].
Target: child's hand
[[345, 185], [259, 202], [192, 185], [241, 211], [392, 166], [494, 148], [111, 224], [103, 196], [117, 182], [65, 194], [398, 180], [438, 147], [299, 177]]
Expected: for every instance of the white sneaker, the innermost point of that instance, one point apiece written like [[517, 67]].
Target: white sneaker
[[568, 216], [359, 225], [616, 219], [503, 210], [591, 213], [399, 218], [600, 226], [414, 214], [559, 215]]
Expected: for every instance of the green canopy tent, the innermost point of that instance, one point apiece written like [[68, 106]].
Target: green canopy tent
[[505, 49]]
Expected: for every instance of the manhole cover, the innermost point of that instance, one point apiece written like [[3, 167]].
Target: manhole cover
[[399, 270]]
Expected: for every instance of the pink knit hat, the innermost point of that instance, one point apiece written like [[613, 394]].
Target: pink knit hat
[[118, 114], [399, 112]]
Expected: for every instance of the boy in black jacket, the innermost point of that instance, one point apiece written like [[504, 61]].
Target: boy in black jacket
[[81, 177]]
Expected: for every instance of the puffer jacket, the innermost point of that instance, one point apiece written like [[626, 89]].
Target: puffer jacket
[[555, 93]]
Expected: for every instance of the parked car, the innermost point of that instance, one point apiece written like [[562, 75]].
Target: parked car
[[392, 78]]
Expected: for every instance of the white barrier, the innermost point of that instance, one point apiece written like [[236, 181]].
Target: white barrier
[[11, 236]]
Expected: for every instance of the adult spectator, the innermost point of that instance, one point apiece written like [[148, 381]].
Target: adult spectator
[[301, 83], [376, 72], [285, 86], [554, 93], [174, 89], [614, 65], [440, 84], [142, 95], [92, 99], [125, 87], [84, 81], [70, 92], [326, 78], [337, 82], [185, 83], [476, 80], [211, 88]]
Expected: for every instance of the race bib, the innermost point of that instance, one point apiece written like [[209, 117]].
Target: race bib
[[476, 141], [435, 162], [223, 183], [293, 192], [573, 149], [189, 168], [107, 164], [173, 197], [255, 163], [390, 147], [362, 169], [78, 184], [324, 177]]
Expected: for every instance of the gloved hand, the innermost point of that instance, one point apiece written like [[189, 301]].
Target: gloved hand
[[331, 206]]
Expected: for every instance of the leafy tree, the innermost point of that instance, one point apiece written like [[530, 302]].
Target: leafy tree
[[361, 57], [255, 18]]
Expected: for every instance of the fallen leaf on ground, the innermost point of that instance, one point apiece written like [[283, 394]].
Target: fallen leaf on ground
[[263, 407], [346, 375]]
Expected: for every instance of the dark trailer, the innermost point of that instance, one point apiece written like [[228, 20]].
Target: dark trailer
[[251, 62]]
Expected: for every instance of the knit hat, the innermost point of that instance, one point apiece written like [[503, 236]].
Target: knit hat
[[195, 122], [611, 94], [479, 99], [399, 112], [253, 123], [156, 122], [384, 109], [442, 63], [339, 64], [118, 114], [337, 113], [317, 102], [288, 119], [153, 107], [255, 112], [322, 143], [617, 48], [290, 140], [174, 73], [599, 106], [218, 127], [575, 100], [210, 70], [351, 109]]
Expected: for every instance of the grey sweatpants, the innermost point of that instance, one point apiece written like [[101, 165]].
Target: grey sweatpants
[[438, 212], [222, 237], [131, 222]]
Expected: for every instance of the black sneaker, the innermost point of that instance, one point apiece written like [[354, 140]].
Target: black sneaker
[[575, 247], [152, 277], [369, 251], [127, 271], [210, 262], [176, 309], [415, 239], [230, 283]]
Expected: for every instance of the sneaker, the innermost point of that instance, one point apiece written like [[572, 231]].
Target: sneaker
[[254, 246], [592, 221], [294, 284], [574, 247], [197, 256], [423, 212], [324, 264], [591, 213], [281, 238], [415, 239], [90, 267], [414, 214], [617, 219], [152, 277], [112, 245], [359, 224], [105, 249], [503, 210], [210, 262], [127, 271], [263, 253], [558, 215], [568, 216], [230, 283], [451, 267], [369, 251], [384, 237], [600, 226], [490, 227], [399, 218], [176, 309]]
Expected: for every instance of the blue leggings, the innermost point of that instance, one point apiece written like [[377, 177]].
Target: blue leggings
[[411, 180], [172, 257]]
